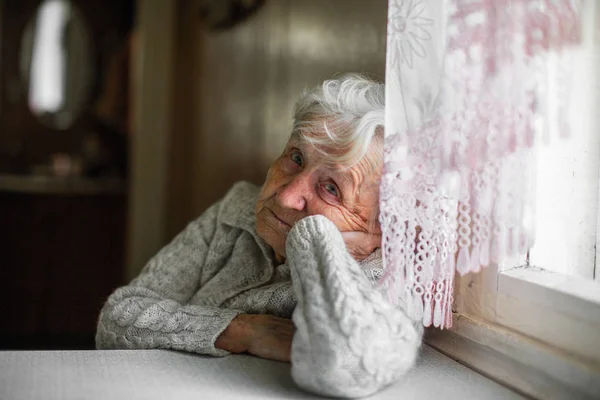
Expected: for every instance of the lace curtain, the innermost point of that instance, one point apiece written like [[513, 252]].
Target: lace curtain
[[468, 96]]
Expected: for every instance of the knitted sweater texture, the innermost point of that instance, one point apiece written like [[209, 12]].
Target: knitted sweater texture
[[349, 342]]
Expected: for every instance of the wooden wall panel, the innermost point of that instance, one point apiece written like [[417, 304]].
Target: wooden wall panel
[[150, 153]]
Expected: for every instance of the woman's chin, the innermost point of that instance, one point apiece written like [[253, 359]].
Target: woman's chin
[[278, 247], [278, 250]]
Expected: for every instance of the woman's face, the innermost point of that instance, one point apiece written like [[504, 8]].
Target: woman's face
[[300, 183]]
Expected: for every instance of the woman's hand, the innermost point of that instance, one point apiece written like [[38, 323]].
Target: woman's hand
[[361, 245], [262, 335]]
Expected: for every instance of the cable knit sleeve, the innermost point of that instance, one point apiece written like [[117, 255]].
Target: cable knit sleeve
[[152, 311], [350, 342]]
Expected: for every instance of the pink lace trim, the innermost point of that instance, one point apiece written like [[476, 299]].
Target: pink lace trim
[[456, 193]]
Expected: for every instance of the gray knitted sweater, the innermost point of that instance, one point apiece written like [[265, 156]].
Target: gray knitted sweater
[[349, 341]]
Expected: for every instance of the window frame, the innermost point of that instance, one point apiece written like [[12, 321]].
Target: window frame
[[530, 328], [545, 305], [510, 326]]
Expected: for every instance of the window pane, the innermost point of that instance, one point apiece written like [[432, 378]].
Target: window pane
[[568, 171]]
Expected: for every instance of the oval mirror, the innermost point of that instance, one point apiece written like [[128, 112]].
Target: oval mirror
[[56, 63]]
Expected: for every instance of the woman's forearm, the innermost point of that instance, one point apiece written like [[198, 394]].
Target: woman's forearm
[[138, 318], [350, 341]]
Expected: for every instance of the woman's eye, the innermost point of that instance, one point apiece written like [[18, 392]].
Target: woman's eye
[[331, 189], [296, 157]]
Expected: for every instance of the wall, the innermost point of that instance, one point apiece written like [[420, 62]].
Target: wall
[[152, 76], [234, 91]]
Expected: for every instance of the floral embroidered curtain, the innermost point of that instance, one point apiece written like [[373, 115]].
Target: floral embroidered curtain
[[468, 96]]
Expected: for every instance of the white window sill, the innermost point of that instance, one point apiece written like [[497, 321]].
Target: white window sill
[[509, 360], [559, 310], [571, 295], [533, 330]]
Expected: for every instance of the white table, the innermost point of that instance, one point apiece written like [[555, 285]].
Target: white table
[[162, 374]]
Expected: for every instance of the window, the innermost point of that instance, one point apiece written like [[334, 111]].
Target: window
[[568, 173], [542, 311]]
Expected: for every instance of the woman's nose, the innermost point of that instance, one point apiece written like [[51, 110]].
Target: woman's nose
[[295, 193]]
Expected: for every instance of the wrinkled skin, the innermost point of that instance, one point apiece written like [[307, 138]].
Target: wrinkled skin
[[301, 183]]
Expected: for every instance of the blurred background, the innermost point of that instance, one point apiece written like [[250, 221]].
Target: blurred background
[[122, 120]]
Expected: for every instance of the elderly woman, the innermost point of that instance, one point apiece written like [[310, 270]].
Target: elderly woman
[[305, 246]]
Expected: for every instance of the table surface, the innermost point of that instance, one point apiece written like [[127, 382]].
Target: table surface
[[163, 374]]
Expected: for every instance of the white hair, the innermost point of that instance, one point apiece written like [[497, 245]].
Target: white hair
[[342, 117]]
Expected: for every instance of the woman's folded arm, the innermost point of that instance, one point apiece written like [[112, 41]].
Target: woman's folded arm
[[152, 311], [350, 341], [138, 318]]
